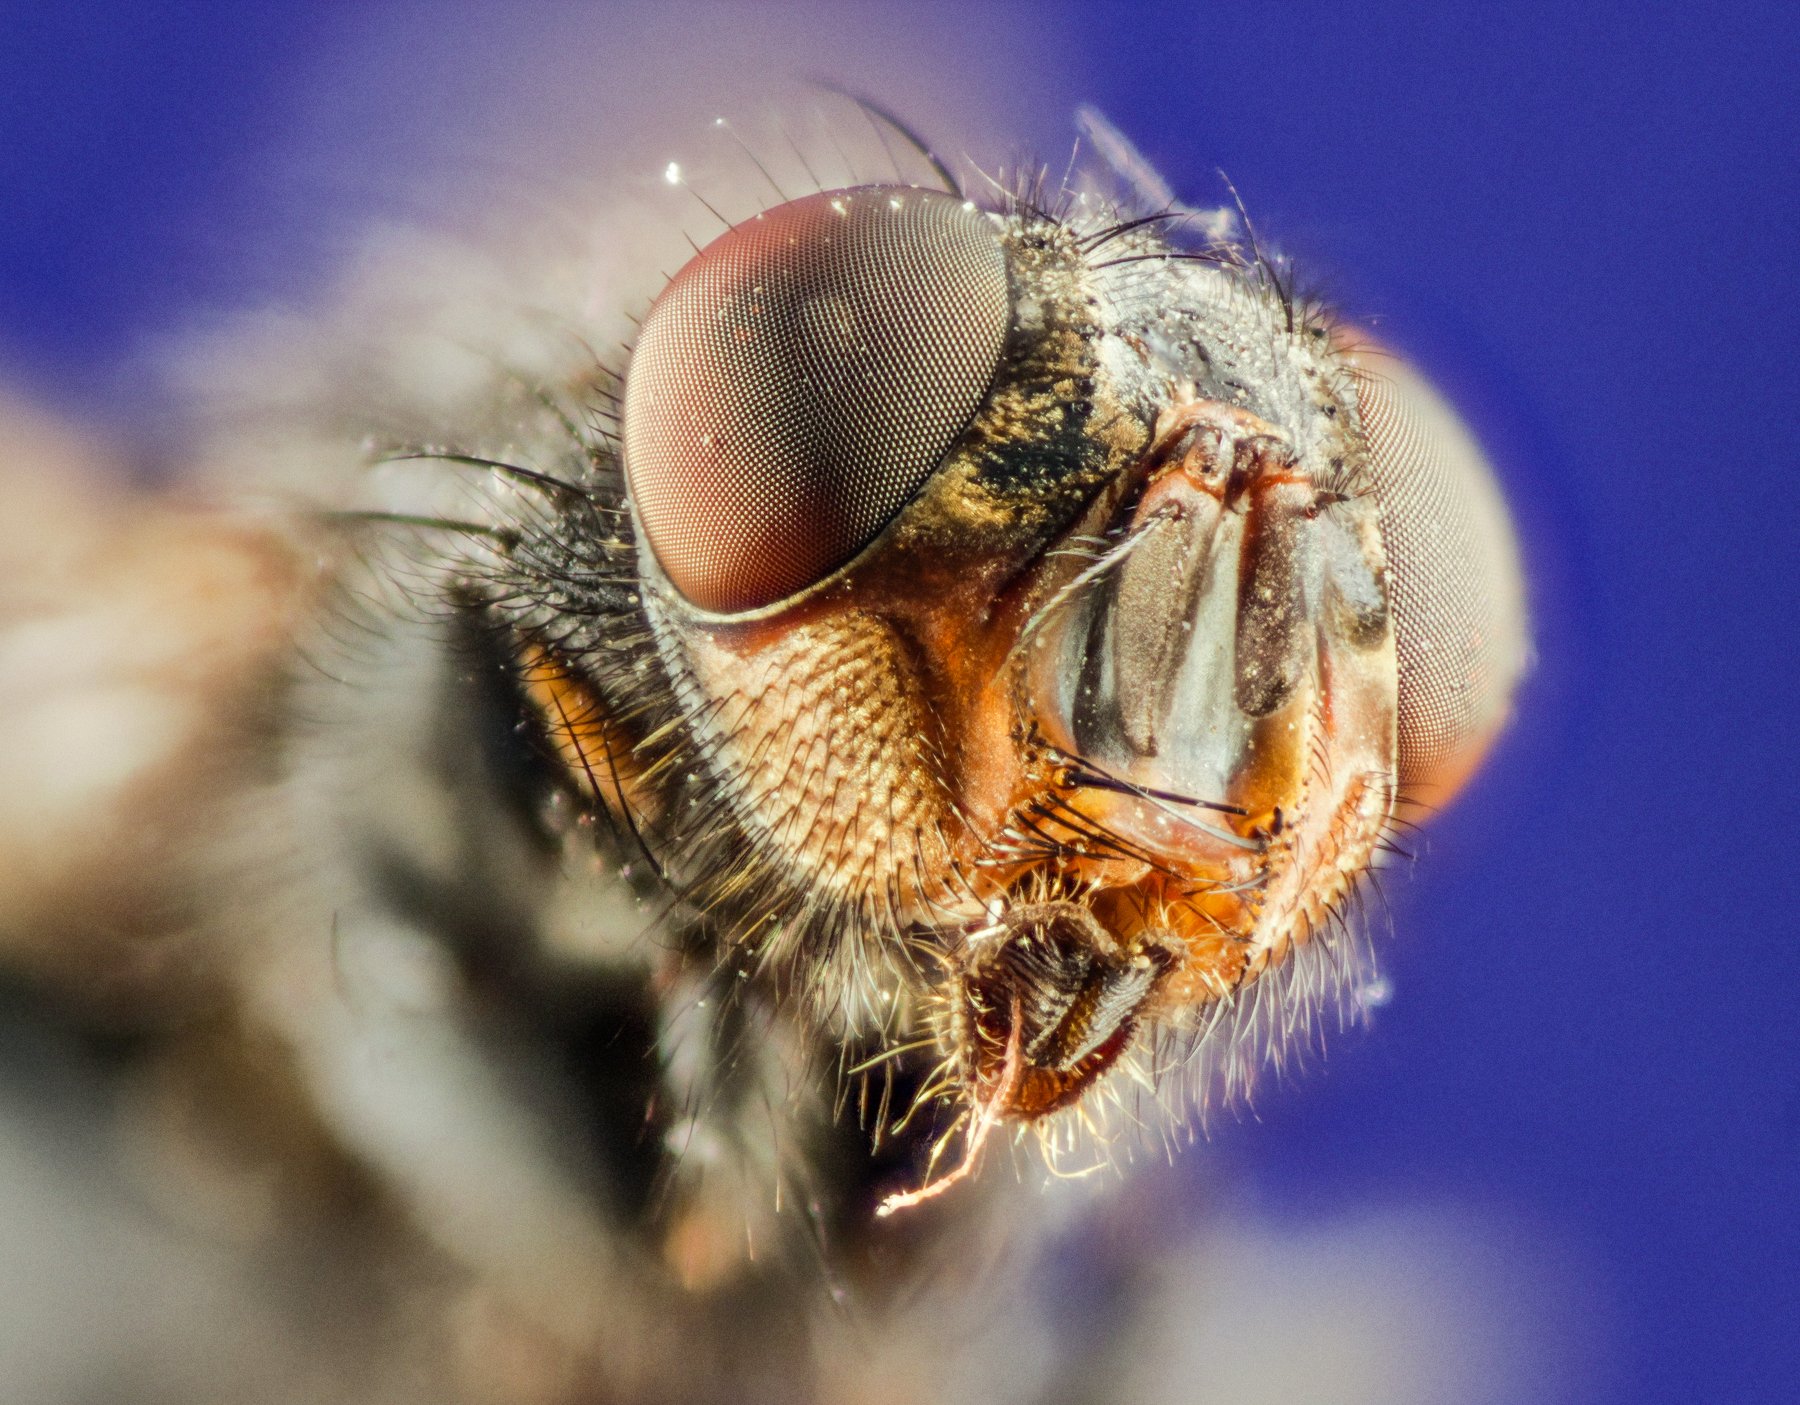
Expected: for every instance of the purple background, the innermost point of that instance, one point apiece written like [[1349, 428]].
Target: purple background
[[1587, 225]]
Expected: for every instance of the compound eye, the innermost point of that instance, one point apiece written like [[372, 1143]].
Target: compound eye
[[798, 381], [1453, 577]]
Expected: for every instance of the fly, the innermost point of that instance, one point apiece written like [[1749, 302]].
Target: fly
[[1009, 629], [941, 688]]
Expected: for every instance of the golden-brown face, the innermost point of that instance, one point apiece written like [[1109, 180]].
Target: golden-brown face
[[1030, 627]]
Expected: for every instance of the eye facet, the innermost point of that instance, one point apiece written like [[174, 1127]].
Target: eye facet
[[799, 379], [1457, 594]]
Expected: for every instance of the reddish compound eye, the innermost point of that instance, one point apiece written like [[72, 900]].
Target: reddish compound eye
[[1453, 570], [800, 378]]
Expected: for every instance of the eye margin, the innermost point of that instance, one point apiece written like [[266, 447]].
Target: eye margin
[[948, 279]]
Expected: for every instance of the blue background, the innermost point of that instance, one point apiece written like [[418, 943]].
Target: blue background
[[1587, 225]]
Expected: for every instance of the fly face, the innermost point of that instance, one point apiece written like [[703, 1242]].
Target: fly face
[[1015, 633]]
